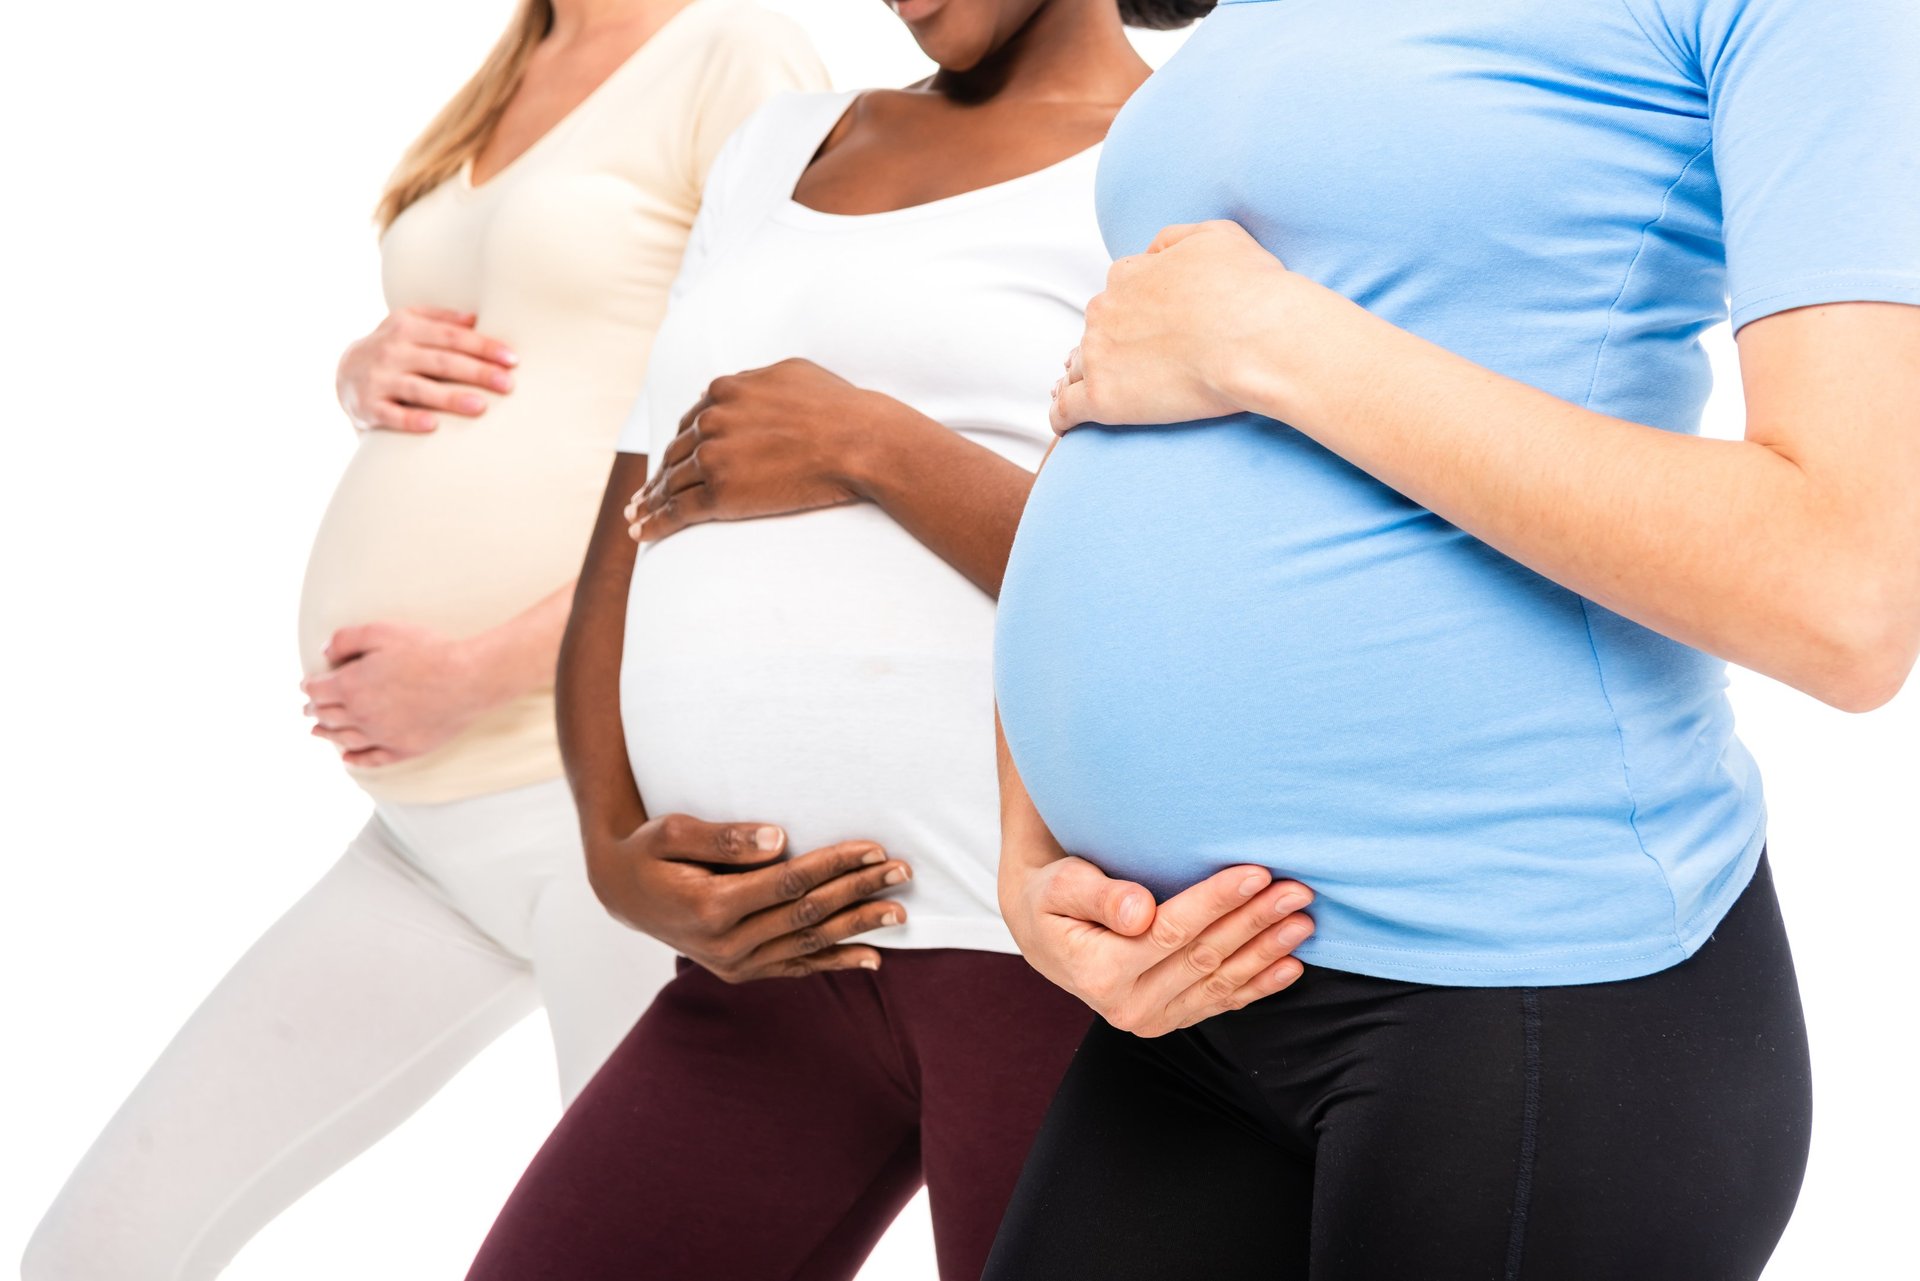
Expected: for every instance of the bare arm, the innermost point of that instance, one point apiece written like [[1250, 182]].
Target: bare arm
[[1792, 552], [587, 688], [793, 437]]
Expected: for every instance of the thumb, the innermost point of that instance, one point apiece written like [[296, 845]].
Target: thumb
[[1171, 236], [1082, 891]]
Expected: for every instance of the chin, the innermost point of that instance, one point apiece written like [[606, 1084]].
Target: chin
[[961, 34]]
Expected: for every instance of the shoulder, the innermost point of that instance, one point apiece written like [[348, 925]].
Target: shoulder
[[788, 124], [734, 33]]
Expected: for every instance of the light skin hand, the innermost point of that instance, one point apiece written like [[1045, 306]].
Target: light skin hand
[[1789, 551], [394, 690], [1214, 947], [722, 895], [419, 363]]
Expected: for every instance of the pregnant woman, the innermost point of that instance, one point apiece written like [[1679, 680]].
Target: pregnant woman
[[530, 239], [1414, 583], [846, 403]]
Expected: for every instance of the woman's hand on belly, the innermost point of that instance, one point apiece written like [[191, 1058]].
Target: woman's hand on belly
[[722, 895], [419, 362], [766, 442], [395, 690], [1159, 339], [1214, 947]]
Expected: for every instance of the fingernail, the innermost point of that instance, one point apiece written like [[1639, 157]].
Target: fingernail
[[767, 838], [871, 857], [871, 963], [891, 918], [1251, 886], [502, 382], [1129, 914], [633, 532], [470, 404], [896, 876], [505, 357]]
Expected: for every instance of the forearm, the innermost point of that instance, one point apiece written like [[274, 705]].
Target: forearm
[[1738, 548], [1026, 843], [518, 657], [961, 500], [587, 691]]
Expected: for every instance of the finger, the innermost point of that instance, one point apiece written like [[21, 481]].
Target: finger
[[823, 903], [373, 756], [834, 958], [700, 406], [1071, 408], [391, 415], [1180, 919], [1216, 992], [347, 739], [430, 333], [323, 690], [792, 879], [446, 366], [681, 476], [348, 643], [1076, 365], [684, 442], [1196, 965], [447, 314], [330, 716], [416, 391], [831, 932], [674, 513], [1173, 235], [1275, 978], [686, 839], [1082, 891]]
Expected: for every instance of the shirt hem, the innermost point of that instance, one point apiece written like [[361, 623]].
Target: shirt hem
[[1613, 962], [973, 934]]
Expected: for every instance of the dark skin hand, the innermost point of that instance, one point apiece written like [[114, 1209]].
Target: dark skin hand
[[721, 894]]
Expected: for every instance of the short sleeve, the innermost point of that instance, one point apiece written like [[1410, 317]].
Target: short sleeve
[[1814, 107], [754, 56]]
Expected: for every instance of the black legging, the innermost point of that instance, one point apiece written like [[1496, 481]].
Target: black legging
[[1359, 1129]]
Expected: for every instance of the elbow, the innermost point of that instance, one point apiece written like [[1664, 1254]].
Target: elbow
[[1867, 649]]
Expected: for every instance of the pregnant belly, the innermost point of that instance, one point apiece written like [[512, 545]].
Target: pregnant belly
[[1220, 644], [458, 530], [824, 672]]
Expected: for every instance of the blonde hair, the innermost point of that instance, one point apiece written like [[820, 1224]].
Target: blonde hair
[[463, 126]]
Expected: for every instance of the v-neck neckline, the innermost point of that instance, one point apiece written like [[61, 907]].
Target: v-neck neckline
[[577, 110]]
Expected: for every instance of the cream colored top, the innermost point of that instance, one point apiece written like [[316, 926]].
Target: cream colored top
[[566, 255]]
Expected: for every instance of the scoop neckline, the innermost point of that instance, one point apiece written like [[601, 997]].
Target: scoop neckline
[[791, 211], [465, 175]]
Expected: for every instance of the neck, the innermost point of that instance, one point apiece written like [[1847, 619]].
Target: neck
[[573, 19], [1068, 51]]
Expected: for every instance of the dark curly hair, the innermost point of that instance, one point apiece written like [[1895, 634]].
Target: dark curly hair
[[1163, 15]]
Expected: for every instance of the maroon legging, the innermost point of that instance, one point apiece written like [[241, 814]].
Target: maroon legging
[[770, 1131]]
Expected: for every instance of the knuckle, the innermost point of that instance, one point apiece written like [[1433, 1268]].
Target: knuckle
[[791, 882], [1204, 958], [1166, 934], [808, 911], [674, 828], [810, 940], [1218, 988]]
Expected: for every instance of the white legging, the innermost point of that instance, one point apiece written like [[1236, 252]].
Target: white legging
[[440, 928]]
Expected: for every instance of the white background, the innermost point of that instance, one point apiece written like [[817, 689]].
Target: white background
[[187, 247]]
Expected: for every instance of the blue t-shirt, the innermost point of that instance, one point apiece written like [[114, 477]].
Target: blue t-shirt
[[1220, 643]]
